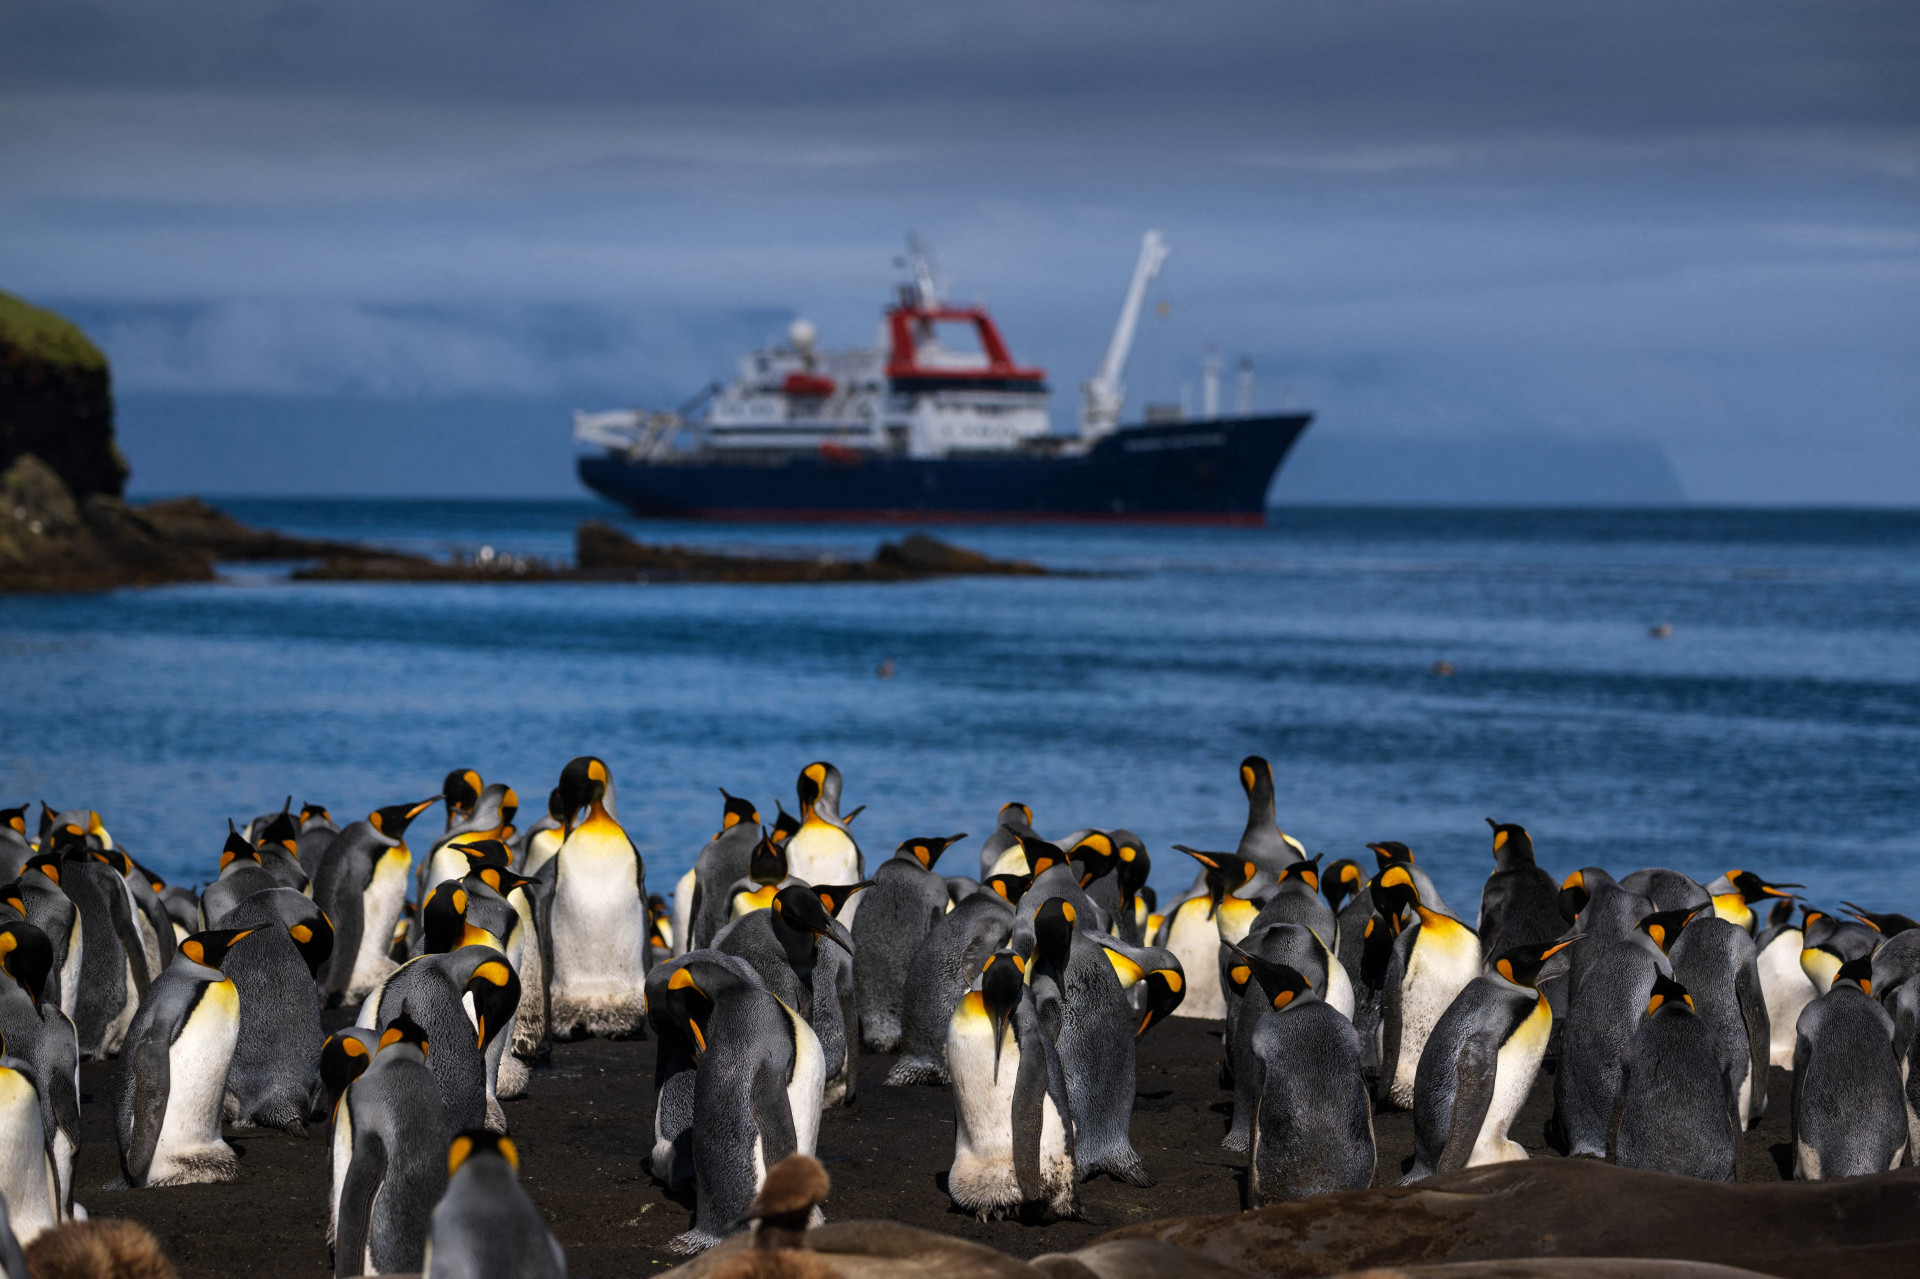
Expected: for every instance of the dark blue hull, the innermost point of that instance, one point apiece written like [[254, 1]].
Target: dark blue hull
[[1214, 471]]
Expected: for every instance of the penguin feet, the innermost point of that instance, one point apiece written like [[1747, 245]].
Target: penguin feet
[[1124, 1166], [918, 1070], [692, 1242], [1237, 1141]]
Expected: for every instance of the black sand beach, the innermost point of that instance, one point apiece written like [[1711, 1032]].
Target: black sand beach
[[585, 1128]]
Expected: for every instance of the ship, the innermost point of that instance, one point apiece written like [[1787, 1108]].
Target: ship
[[937, 423]]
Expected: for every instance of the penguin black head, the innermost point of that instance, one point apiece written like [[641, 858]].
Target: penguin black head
[[735, 811], [154, 882], [498, 878], [404, 1030], [1521, 964], [26, 956], [496, 996], [282, 830], [14, 899], [1341, 882], [557, 806], [1053, 928], [1376, 946], [1010, 887], [1574, 895], [1306, 871], [1512, 846], [1664, 926], [311, 812], [582, 782], [1859, 972], [15, 819], [343, 1059], [478, 1143], [767, 865], [393, 820], [121, 863], [47, 816], [1256, 779], [1130, 852], [1891, 925], [1282, 983], [1668, 991], [1393, 891], [793, 1189], [799, 907], [209, 949], [1226, 872], [237, 849], [818, 782], [1390, 851], [1166, 987], [461, 790], [689, 1007], [1782, 913], [926, 849], [509, 808], [484, 852], [836, 896], [1040, 855], [1093, 857], [47, 864], [1016, 815], [67, 838], [1002, 981], [443, 920], [314, 938]]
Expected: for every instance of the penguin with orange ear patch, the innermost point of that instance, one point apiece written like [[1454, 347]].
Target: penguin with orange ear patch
[[274, 1081], [1520, 906], [1678, 1111], [907, 898], [434, 990], [485, 1226], [944, 965], [398, 1166], [1480, 1063], [173, 1071], [1849, 1113], [725, 860]]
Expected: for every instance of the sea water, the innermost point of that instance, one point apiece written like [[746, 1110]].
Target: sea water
[[1408, 673]]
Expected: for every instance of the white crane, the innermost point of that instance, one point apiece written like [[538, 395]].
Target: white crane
[[1101, 399]]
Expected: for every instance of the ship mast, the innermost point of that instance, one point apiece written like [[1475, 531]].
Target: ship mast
[[1101, 399]]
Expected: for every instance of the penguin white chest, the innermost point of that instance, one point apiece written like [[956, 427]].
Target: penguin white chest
[[1194, 939], [1515, 1067], [822, 854], [26, 1176], [599, 934], [1787, 989], [341, 1157], [982, 1175], [809, 1081], [1441, 964], [190, 1148], [682, 913], [380, 904], [540, 851]]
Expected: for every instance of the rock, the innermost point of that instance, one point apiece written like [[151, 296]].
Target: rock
[[56, 400], [188, 521], [49, 542], [1569, 1208], [920, 554]]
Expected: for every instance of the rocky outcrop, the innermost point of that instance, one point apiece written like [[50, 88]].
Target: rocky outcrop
[[188, 521], [56, 400], [51, 542]]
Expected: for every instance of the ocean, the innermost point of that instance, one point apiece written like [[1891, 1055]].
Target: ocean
[[1776, 729]]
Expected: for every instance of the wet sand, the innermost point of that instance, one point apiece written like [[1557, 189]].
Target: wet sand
[[585, 1129]]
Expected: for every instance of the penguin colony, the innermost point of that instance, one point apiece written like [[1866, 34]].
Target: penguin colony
[[1022, 988]]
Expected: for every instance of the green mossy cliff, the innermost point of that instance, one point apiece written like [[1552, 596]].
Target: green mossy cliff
[[56, 400]]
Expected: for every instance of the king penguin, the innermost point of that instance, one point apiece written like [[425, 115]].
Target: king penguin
[[1297, 947], [1433, 960], [1784, 984], [362, 887], [1392, 852], [398, 1166], [1520, 905], [316, 832], [1832, 942], [1013, 1135], [1193, 930], [1715, 960], [1615, 983], [274, 1081], [14, 847], [1263, 842], [1737, 892], [38, 1033], [943, 968], [782, 944], [485, 1226], [464, 1000], [598, 917], [173, 1075], [29, 1181], [1849, 1109], [1014, 823], [906, 900], [721, 864], [344, 1057], [1479, 1064], [823, 851], [757, 1087], [1086, 1013], [1313, 1125], [1678, 1108], [36, 896]]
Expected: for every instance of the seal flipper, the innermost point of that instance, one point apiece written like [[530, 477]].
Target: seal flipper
[[150, 1065], [1473, 1084]]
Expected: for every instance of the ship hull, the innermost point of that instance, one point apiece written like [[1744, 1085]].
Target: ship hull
[[1205, 472]]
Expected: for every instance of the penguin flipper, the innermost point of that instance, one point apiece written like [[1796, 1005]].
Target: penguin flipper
[[61, 1056], [150, 1067], [354, 1217], [1029, 1103], [772, 1112], [1753, 1010], [1473, 1081], [120, 909]]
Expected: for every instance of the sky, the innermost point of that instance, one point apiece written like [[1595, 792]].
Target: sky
[[350, 244]]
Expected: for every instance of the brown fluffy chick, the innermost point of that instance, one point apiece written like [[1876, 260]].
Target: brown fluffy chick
[[793, 1189], [105, 1249]]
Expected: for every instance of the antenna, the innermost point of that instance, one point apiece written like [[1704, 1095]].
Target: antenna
[[1246, 387]]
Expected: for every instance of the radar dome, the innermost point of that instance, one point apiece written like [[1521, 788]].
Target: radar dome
[[801, 334]]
